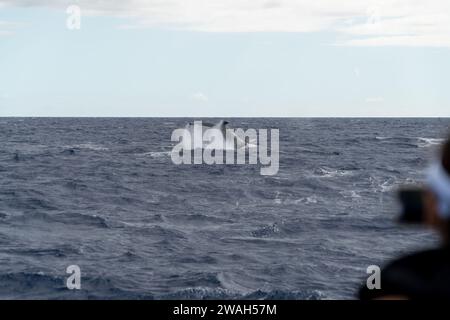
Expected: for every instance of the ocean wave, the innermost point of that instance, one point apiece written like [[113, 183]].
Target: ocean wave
[[303, 200], [266, 231], [156, 230], [29, 285], [75, 218], [201, 293], [87, 146], [72, 218], [20, 157], [262, 240], [198, 218], [316, 151], [134, 150], [350, 194], [39, 285], [31, 202], [307, 200], [57, 252], [198, 293], [419, 142], [389, 184], [428, 142], [331, 173], [157, 154], [285, 295], [4, 240], [68, 152], [75, 184], [279, 181]]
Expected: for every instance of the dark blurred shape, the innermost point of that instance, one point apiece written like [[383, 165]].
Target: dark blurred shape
[[425, 274], [446, 156], [412, 203]]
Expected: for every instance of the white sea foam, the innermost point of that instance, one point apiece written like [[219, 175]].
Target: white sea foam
[[389, 184], [350, 194], [428, 142], [331, 173], [420, 141], [307, 200], [157, 154]]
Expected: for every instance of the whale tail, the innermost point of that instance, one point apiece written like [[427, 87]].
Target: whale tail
[[222, 126]]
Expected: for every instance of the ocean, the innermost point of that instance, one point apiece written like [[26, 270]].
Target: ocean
[[103, 194]]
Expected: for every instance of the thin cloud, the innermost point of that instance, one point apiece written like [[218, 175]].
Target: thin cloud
[[374, 99], [7, 28], [199, 96], [355, 22]]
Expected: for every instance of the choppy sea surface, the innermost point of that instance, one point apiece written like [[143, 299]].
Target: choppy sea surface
[[104, 194]]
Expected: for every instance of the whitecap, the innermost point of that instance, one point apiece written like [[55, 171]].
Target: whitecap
[[350, 194], [157, 154], [428, 142], [88, 146], [306, 200], [331, 173]]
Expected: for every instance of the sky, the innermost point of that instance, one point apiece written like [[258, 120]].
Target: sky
[[225, 58]]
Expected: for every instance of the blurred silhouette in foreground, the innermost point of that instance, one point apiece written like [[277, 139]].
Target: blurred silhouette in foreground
[[426, 274]]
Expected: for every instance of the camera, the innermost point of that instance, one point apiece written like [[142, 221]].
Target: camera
[[412, 205]]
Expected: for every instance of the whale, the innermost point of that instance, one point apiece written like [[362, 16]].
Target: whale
[[218, 144], [208, 137]]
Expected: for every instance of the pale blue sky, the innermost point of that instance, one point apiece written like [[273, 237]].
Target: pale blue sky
[[112, 68]]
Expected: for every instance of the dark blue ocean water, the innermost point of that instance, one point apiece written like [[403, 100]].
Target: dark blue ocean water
[[104, 194]]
